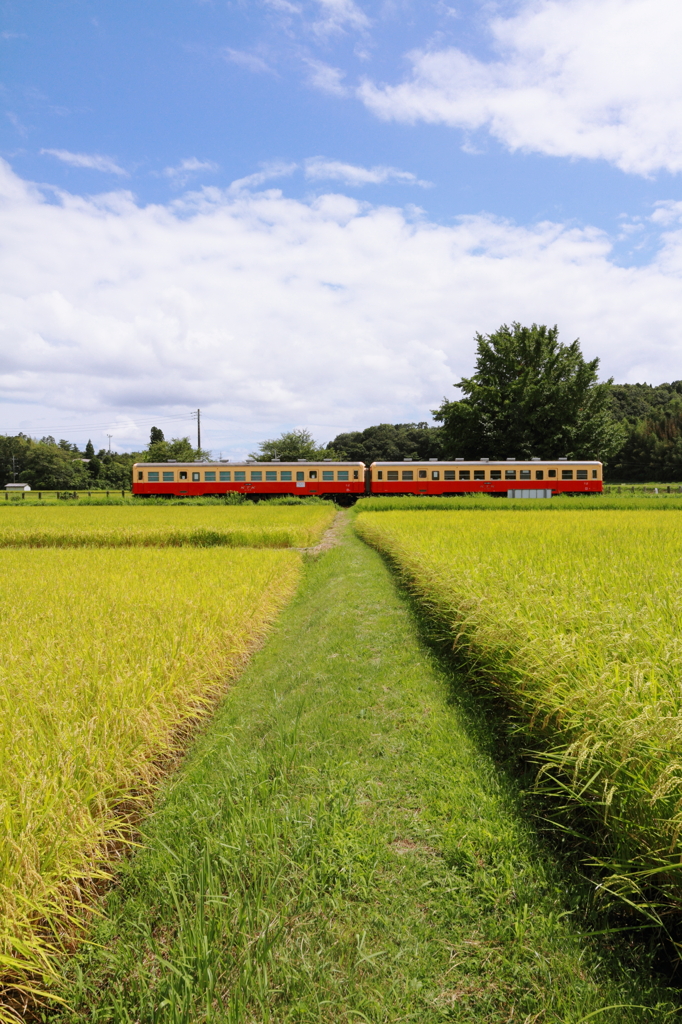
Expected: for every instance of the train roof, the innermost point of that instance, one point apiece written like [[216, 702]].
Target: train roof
[[226, 464], [489, 462]]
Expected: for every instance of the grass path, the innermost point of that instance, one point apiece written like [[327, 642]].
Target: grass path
[[340, 847]]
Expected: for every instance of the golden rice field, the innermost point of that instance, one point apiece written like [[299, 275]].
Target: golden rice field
[[158, 526], [107, 656], [575, 623]]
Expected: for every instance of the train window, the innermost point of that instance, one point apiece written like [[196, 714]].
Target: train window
[[380, 474], [594, 474], [495, 474], [408, 474], [392, 474], [313, 474], [581, 474], [566, 474], [169, 476], [285, 474], [210, 477], [271, 474], [449, 474], [551, 472], [152, 477], [256, 474], [355, 474], [327, 474], [435, 474], [240, 475], [182, 476], [225, 475], [524, 474], [300, 475], [510, 474], [196, 476], [479, 474], [342, 474], [464, 474], [140, 475], [539, 474], [422, 474]]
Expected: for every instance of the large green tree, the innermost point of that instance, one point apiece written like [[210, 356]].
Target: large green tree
[[178, 449], [530, 395], [292, 445], [387, 442]]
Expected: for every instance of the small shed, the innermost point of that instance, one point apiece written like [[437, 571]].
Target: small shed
[[17, 487]]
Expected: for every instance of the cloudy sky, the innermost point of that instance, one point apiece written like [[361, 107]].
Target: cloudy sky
[[298, 212]]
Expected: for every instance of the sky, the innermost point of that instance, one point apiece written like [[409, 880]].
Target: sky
[[298, 213]]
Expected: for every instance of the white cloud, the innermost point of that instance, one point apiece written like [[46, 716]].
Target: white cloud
[[247, 60], [319, 169], [600, 79], [269, 312], [16, 123], [276, 169], [181, 174], [326, 78], [93, 161], [337, 15], [283, 6]]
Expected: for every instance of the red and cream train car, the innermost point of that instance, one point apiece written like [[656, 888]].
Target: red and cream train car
[[460, 476], [187, 479]]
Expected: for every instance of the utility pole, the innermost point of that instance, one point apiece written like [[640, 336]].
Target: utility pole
[[198, 416], [110, 437]]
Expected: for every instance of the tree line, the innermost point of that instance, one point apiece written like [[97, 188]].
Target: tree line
[[529, 395], [51, 465]]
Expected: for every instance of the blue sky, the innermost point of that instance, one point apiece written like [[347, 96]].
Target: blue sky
[[364, 185]]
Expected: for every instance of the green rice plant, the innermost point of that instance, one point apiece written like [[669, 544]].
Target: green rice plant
[[164, 526], [108, 659], [574, 622], [487, 503]]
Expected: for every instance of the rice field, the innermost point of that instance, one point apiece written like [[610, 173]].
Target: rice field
[[615, 499], [574, 624], [164, 526], [108, 658]]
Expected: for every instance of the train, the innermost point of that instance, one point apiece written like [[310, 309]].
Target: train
[[345, 482]]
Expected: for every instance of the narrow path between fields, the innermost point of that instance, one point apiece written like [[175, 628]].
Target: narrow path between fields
[[332, 535], [340, 847]]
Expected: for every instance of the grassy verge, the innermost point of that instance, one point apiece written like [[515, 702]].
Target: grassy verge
[[611, 501], [341, 847], [89, 498], [108, 657]]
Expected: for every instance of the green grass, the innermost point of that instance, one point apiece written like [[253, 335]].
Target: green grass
[[574, 624], [108, 657], [92, 498], [341, 847], [246, 525], [609, 501]]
